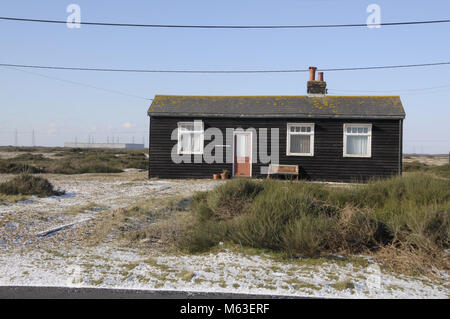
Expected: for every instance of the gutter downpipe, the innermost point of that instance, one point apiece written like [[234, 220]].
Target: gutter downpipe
[[149, 141], [400, 149]]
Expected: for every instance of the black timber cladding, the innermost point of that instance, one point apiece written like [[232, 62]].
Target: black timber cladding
[[327, 163]]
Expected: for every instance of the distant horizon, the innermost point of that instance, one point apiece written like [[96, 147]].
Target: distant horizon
[[50, 107], [146, 147]]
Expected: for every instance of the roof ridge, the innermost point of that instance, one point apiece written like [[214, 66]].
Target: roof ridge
[[284, 96]]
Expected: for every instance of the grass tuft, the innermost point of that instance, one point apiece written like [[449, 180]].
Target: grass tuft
[[26, 184], [440, 170], [409, 215], [344, 285]]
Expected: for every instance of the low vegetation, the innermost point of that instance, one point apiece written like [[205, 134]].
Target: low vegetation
[[11, 167], [157, 222], [440, 170], [26, 184], [11, 199], [74, 161], [402, 221]]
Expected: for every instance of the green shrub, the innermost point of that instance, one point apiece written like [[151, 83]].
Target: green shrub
[[26, 184], [408, 213], [229, 200], [265, 222], [439, 170], [78, 167], [17, 168], [414, 167], [203, 237], [437, 228], [308, 235], [28, 157], [389, 194]]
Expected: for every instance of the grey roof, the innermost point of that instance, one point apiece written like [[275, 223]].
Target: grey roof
[[363, 107]]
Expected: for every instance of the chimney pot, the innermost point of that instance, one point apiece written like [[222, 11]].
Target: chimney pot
[[312, 73], [320, 77]]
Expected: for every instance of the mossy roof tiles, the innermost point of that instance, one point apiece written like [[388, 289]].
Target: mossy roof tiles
[[370, 107]]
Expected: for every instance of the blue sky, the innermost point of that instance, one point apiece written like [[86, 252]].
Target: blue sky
[[60, 111]]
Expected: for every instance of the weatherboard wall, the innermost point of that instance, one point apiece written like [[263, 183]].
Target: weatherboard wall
[[327, 164]]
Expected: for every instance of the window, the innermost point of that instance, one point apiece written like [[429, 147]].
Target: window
[[300, 139], [190, 137], [357, 140]]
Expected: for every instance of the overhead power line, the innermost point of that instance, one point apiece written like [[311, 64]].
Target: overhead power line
[[220, 71], [84, 85], [181, 26], [392, 91]]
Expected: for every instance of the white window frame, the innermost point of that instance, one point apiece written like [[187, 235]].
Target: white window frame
[[369, 141], [288, 138], [202, 137]]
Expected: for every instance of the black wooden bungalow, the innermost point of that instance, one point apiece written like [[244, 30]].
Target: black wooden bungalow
[[330, 138]]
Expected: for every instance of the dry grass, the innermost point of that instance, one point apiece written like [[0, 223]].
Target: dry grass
[[186, 275], [163, 233], [74, 161], [409, 260], [11, 199], [429, 159], [442, 170], [343, 285], [394, 219], [158, 222], [77, 209], [98, 230], [27, 184]]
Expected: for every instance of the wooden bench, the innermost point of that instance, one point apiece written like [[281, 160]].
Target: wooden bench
[[283, 169]]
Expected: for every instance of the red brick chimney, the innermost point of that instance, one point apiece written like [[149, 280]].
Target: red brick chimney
[[314, 87], [312, 73], [320, 77]]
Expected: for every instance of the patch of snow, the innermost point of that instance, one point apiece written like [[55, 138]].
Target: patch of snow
[[111, 191], [225, 271]]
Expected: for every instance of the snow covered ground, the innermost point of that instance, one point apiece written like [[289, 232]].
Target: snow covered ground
[[86, 196], [29, 258], [223, 271]]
